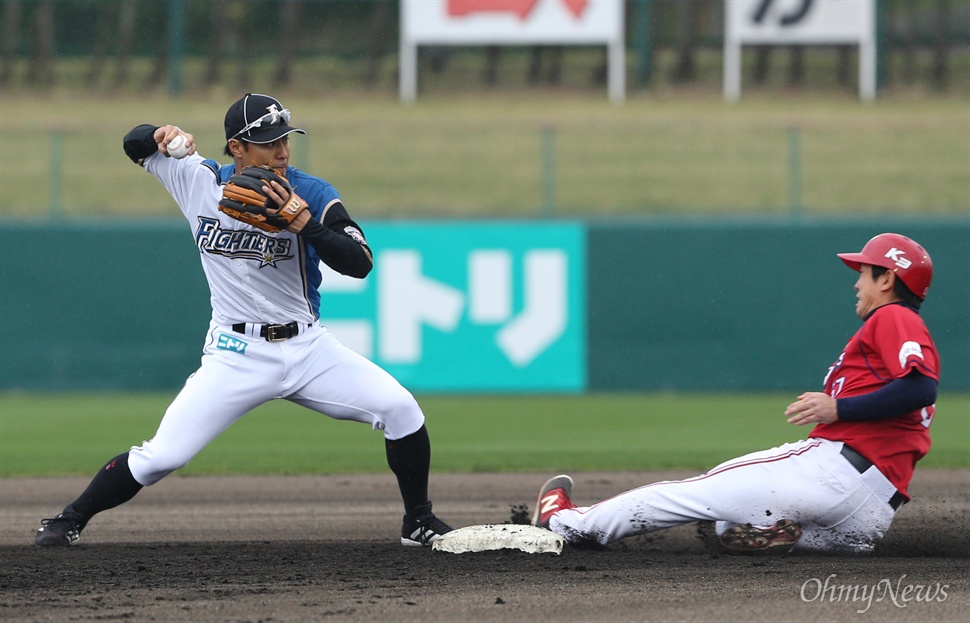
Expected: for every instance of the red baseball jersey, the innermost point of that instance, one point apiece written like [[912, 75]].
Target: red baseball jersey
[[890, 344]]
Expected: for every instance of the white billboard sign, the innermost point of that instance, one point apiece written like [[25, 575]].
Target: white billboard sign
[[511, 22], [799, 22]]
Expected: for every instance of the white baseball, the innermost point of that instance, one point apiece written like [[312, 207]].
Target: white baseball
[[178, 148]]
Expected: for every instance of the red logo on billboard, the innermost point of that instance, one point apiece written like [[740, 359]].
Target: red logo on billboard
[[522, 8]]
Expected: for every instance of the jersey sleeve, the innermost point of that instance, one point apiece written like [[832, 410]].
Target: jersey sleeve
[[317, 193], [901, 341], [184, 179]]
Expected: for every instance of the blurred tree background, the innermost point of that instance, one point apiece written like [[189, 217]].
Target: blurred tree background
[[192, 45], [499, 131]]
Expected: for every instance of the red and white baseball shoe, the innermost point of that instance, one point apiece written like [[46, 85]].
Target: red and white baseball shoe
[[553, 497]]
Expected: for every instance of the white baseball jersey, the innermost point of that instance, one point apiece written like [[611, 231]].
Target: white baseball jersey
[[253, 276]]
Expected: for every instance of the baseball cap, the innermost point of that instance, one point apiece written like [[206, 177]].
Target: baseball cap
[[258, 118]]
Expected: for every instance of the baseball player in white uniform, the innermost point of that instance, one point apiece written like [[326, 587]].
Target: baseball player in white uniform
[[264, 340]]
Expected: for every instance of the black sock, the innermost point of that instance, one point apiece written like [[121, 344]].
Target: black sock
[[111, 486], [410, 459]]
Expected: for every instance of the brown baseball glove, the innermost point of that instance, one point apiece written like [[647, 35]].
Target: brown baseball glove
[[244, 199]]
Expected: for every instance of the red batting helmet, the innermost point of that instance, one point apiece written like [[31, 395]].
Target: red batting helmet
[[903, 256]]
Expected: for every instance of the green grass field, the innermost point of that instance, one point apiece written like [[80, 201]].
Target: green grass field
[[528, 154], [74, 434]]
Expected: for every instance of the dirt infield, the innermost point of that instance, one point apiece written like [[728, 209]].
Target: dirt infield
[[326, 549]]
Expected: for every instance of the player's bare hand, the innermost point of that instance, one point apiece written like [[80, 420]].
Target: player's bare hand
[[812, 408], [282, 197], [299, 222], [167, 133], [276, 192]]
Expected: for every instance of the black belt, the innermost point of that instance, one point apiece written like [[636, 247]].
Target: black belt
[[272, 332], [862, 464]]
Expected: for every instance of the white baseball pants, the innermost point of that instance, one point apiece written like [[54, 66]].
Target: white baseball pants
[[239, 372], [808, 481]]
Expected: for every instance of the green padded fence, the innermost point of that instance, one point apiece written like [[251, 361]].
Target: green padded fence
[[665, 304]]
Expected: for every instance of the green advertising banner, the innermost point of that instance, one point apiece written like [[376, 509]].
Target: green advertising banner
[[468, 306]]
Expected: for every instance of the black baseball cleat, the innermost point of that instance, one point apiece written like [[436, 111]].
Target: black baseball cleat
[[423, 529], [59, 531], [553, 497]]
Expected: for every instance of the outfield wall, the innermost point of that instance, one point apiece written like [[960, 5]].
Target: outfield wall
[[460, 306], [751, 305]]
